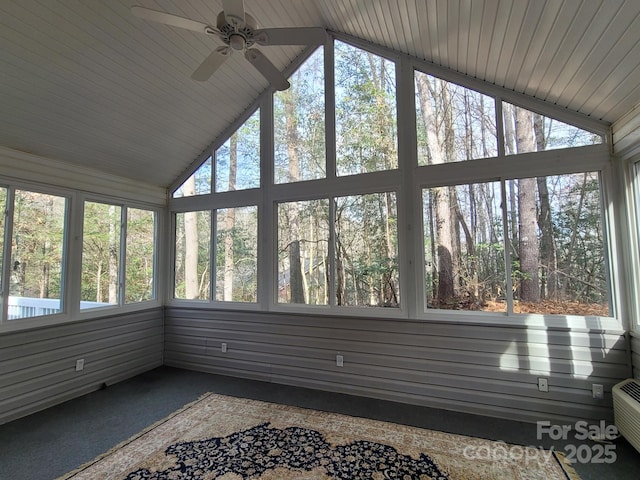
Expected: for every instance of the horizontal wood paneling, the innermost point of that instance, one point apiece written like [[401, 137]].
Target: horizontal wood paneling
[[626, 134], [24, 166], [37, 367], [479, 369], [91, 84]]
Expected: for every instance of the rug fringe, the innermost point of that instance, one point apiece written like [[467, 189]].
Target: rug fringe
[[568, 469], [86, 465]]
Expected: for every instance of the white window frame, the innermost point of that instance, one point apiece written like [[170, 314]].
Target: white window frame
[[72, 258], [408, 181], [632, 212]]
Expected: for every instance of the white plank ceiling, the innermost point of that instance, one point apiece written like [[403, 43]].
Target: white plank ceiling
[[83, 81]]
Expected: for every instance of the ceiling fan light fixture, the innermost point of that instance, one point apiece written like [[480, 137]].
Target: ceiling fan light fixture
[[237, 42], [239, 32]]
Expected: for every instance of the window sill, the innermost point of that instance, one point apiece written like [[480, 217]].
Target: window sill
[[30, 323]]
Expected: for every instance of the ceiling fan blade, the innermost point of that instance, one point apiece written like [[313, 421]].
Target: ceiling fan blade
[[233, 11], [211, 64], [290, 36], [267, 69], [172, 20]]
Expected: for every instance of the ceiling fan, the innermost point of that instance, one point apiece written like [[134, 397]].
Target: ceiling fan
[[239, 32]]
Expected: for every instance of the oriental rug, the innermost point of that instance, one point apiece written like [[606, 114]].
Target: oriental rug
[[228, 438]]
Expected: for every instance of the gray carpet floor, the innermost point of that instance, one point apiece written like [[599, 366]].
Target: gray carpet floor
[[50, 443]]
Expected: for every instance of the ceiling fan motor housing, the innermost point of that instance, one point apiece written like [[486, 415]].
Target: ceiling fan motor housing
[[237, 34]]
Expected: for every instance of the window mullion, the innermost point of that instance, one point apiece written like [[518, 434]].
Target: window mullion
[[213, 248], [500, 127], [507, 251], [122, 267], [330, 108], [267, 228], [6, 260]]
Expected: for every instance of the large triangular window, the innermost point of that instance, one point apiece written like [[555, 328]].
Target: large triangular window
[[366, 114], [299, 124], [235, 165]]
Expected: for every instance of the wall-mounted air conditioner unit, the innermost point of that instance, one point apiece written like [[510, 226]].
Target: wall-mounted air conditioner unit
[[626, 409]]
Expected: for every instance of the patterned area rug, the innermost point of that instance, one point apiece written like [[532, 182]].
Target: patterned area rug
[[227, 438]]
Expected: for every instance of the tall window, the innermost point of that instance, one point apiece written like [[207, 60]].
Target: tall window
[[140, 258], [237, 161], [299, 124], [635, 207], [237, 254], [366, 250], [303, 243], [366, 119], [557, 245], [3, 209], [464, 247], [37, 256], [192, 255], [104, 264], [101, 255]]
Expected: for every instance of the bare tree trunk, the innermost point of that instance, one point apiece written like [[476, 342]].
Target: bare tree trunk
[[191, 245], [528, 226], [438, 147], [230, 222], [548, 255], [99, 283], [114, 247], [295, 261]]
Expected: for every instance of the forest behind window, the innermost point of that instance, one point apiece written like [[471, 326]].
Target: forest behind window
[[37, 254], [555, 244], [504, 241]]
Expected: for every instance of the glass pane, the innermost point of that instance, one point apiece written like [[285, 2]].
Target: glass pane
[[366, 123], [559, 263], [37, 255], [303, 240], [464, 248], [366, 251], [525, 131], [299, 127], [139, 266], [100, 255], [237, 254], [453, 123], [197, 184], [238, 159], [193, 240]]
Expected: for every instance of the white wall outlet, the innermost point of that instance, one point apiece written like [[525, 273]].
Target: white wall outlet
[[79, 364], [598, 391], [223, 348], [339, 361], [543, 384]]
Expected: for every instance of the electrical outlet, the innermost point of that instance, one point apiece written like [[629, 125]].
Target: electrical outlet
[[543, 384], [79, 364], [339, 361], [598, 391], [223, 347]]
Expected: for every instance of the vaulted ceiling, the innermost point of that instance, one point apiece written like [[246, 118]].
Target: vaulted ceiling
[[86, 82]]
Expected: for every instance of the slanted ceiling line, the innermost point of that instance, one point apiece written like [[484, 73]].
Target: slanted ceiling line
[[538, 105], [237, 123]]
